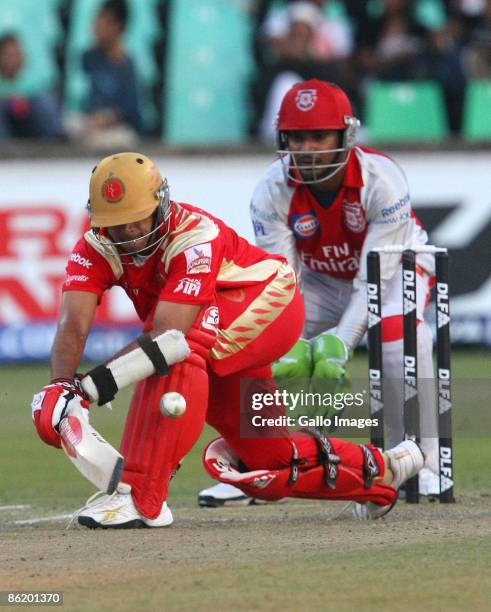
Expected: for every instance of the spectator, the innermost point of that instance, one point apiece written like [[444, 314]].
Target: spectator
[[444, 64], [394, 46], [479, 49], [468, 13], [301, 43], [112, 114], [24, 113], [390, 45]]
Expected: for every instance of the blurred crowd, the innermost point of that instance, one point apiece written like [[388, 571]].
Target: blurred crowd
[[350, 42], [355, 43], [110, 113]]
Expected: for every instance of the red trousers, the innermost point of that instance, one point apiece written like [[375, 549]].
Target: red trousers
[[258, 325]]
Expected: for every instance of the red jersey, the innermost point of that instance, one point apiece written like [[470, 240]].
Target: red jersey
[[200, 257], [372, 209], [330, 239]]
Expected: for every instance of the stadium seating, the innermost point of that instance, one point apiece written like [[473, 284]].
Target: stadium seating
[[142, 32], [431, 13], [477, 111], [208, 62], [406, 111]]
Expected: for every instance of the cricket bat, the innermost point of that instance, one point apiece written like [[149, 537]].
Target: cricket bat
[[93, 456]]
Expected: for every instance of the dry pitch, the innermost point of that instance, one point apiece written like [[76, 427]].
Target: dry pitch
[[278, 557]]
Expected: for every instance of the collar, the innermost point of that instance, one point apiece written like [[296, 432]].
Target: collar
[[352, 173]]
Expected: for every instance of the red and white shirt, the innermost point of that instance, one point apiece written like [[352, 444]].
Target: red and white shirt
[[200, 256], [371, 209]]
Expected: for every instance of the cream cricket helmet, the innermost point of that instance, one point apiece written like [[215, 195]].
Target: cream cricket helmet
[[125, 188]]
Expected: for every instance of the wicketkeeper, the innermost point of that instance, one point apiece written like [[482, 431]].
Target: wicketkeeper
[[324, 204]]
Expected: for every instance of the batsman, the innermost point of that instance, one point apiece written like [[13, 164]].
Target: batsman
[[216, 311]]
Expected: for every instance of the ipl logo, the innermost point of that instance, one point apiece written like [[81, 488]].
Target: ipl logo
[[189, 286], [306, 99]]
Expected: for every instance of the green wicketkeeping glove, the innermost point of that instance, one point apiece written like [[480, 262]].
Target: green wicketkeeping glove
[[330, 355], [297, 363]]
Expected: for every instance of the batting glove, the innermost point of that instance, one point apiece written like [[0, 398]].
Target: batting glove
[[53, 403]]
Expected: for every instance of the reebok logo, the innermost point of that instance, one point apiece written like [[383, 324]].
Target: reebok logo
[[81, 261]]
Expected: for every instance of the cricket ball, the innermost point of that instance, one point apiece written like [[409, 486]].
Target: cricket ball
[[172, 404]]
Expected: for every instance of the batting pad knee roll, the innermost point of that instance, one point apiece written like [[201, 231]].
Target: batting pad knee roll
[[103, 381]]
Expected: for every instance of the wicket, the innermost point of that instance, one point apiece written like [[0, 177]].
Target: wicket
[[410, 358]]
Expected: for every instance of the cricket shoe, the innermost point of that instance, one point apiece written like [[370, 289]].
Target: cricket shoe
[[429, 483], [118, 511], [404, 460], [223, 494]]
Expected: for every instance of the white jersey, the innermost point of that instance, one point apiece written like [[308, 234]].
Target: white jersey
[[371, 209]]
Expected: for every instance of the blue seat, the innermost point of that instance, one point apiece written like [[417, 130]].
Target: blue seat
[[406, 111], [208, 64], [477, 111]]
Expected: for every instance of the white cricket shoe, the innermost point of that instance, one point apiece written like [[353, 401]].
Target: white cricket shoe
[[429, 482], [223, 494], [118, 511], [405, 461]]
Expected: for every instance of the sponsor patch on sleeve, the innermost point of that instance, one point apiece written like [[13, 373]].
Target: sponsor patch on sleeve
[[188, 286], [76, 278], [259, 229], [198, 258], [81, 261], [397, 213]]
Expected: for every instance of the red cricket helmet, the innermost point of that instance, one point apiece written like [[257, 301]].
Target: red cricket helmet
[[316, 105]]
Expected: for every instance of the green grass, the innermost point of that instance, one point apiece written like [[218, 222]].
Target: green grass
[[36, 474], [349, 581]]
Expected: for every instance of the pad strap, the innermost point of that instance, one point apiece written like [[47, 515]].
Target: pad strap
[[370, 466], [105, 384], [153, 352], [327, 458], [295, 462]]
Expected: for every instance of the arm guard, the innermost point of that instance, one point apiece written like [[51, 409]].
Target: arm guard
[[154, 356]]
